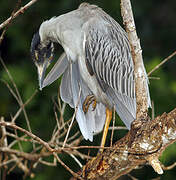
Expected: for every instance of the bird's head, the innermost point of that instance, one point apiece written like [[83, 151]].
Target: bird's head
[[42, 56]]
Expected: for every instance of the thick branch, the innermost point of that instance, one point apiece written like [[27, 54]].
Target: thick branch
[[134, 149], [139, 70]]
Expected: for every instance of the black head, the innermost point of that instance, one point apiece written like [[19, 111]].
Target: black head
[[42, 55], [39, 51]]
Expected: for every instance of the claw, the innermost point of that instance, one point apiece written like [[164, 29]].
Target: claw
[[94, 105], [88, 101]]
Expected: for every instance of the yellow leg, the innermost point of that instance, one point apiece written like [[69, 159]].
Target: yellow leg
[[106, 126]]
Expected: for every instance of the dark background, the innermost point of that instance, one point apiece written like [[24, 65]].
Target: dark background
[[156, 28]]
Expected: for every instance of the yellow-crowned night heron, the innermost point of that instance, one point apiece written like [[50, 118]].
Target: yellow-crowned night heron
[[97, 60]]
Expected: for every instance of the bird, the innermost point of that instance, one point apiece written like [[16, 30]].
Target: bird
[[96, 66]]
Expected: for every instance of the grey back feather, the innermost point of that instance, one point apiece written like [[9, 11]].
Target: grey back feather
[[108, 51]]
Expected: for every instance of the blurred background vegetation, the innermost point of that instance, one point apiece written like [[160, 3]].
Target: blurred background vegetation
[[156, 27]]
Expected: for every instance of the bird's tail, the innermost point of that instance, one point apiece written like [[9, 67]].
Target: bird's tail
[[91, 122]]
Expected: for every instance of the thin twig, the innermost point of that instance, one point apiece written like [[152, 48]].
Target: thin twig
[[81, 147], [118, 128], [20, 11], [76, 109], [18, 142], [154, 78], [132, 177], [10, 89], [68, 149], [48, 163], [12, 14], [63, 126], [74, 136], [4, 137], [19, 99], [7, 162], [23, 138], [76, 160], [11, 125], [2, 35], [19, 163], [29, 156], [56, 132], [60, 135], [169, 167], [162, 62], [66, 167], [60, 109], [20, 109]]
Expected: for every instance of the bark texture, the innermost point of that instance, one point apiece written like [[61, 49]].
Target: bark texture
[[138, 147]]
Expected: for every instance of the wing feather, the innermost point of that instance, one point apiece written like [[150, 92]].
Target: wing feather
[[66, 87], [57, 70], [91, 122], [108, 52]]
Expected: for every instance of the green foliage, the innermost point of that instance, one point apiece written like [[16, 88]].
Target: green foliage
[[169, 155], [162, 90]]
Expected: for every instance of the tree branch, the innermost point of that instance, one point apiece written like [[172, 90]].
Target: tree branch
[[148, 143], [139, 70], [20, 11]]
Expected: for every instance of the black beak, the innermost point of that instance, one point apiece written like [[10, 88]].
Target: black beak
[[41, 73]]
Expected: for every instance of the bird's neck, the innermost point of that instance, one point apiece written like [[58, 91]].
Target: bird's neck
[[47, 32]]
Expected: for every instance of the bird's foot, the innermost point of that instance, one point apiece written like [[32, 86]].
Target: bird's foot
[[90, 99]]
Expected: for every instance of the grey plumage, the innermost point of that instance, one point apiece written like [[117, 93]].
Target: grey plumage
[[57, 70], [97, 60], [92, 122], [66, 88], [108, 51]]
